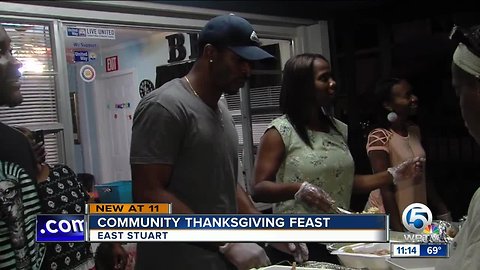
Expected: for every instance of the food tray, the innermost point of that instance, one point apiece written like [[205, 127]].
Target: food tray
[[363, 257], [310, 265], [413, 263]]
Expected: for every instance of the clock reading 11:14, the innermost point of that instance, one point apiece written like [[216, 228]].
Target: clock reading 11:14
[[405, 250]]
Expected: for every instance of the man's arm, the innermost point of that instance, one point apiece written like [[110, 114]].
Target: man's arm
[[245, 204], [157, 137], [150, 182]]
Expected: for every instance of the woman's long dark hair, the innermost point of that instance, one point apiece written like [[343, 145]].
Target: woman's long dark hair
[[297, 95]]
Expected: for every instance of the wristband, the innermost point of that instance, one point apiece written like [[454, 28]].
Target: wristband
[[391, 171]]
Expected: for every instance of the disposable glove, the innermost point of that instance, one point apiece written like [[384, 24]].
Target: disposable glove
[[245, 256], [409, 169], [315, 197]]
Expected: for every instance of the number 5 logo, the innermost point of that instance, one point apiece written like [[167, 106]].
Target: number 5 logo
[[416, 217]]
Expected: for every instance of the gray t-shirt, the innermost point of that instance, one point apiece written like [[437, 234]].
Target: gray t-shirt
[[173, 126]]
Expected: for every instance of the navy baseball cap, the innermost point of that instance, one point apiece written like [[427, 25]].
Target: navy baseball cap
[[235, 33]]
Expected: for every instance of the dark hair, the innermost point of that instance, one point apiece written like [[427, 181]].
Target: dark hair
[[297, 94], [382, 94]]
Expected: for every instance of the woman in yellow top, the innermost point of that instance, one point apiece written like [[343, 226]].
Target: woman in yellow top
[[303, 161], [393, 140]]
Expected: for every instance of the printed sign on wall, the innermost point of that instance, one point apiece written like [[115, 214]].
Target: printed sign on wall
[[84, 45], [92, 56], [111, 63], [81, 56], [91, 32]]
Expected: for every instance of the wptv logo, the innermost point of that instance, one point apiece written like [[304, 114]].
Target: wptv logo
[[417, 218]]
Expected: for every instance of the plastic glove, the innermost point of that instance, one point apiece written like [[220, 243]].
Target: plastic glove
[[409, 169], [445, 217], [299, 251], [315, 197], [245, 255]]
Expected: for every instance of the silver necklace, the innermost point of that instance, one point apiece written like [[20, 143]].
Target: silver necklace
[[196, 94]]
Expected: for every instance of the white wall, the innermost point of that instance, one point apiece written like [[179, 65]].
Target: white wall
[[142, 56]]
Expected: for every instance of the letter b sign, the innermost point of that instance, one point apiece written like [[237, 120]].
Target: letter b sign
[[177, 50]]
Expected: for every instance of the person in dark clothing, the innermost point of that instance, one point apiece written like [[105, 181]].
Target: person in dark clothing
[[19, 203]]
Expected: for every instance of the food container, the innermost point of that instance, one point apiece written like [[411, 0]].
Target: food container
[[363, 256], [394, 237], [413, 263]]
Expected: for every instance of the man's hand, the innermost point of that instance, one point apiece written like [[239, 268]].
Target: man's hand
[[299, 251]]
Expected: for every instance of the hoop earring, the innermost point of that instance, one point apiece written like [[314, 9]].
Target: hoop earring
[[392, 117]]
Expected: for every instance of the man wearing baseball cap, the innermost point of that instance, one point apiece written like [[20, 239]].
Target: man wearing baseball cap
[[184, 150]]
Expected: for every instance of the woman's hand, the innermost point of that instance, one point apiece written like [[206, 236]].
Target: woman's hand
[[315, 197], [409, 169]]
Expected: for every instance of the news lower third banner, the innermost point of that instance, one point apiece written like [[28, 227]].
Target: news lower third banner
[[238, 228], [128, 223]]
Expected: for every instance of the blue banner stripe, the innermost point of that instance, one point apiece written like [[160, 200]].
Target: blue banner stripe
[[237, 222], [60, 228]]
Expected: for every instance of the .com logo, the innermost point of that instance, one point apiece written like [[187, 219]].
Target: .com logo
[[416, 217], [60, 228]]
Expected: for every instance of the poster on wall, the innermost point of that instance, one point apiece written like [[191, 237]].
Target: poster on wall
[[91, 32], [81, 56], [87, 73], [92, 56]]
